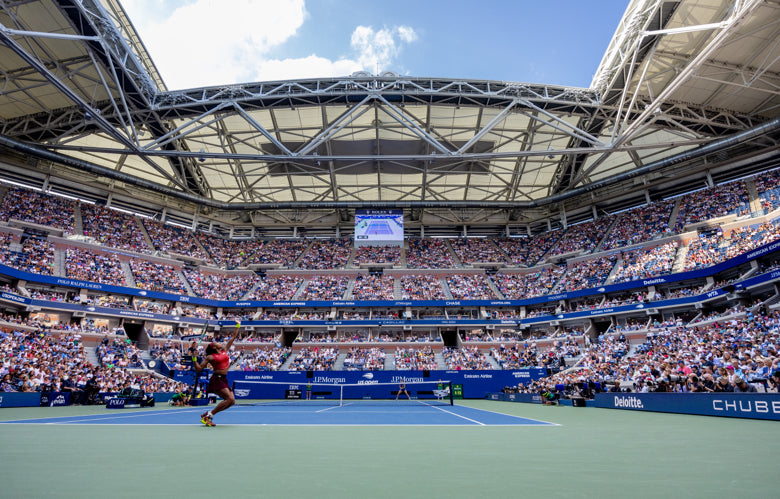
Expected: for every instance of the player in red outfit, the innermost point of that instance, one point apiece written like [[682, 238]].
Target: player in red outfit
[[218, 357]]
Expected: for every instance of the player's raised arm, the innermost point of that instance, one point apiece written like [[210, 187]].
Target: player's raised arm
[[233, 338]]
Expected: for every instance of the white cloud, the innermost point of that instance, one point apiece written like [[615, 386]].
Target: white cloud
[[379, 49], [213, 42]]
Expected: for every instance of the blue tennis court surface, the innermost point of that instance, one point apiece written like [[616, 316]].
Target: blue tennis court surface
[[303, 414], [379, 227]]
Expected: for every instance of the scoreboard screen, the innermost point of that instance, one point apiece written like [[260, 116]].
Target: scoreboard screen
[[379, 226]]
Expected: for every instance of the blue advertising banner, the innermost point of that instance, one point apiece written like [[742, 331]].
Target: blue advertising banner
[[476, 384], [115, 403], [55, 399], [735, 405], [18, 399]]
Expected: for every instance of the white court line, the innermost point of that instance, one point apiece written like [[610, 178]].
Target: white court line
[[332, 407], [100, 417], [510, 415], [458, 415], [308, 425]]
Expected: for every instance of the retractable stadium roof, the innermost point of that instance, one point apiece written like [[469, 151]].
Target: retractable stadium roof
[[683, 87]]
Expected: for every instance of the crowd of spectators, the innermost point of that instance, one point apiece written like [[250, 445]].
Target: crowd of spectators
[[35, 255], [422, 287], [118, 353], [713, 247], [377, 254], [641, 263], [314, 359], [711, 203], [373, 287], [465, 357], [172, 239], [282, 252], [582, 237], [710, 357], [263, 359], [522, 355], [639, 224], [413, 359], [365, 359], [94, 266], [113, 228], [325, 287], [46, 361], [744, 239], [219, 286], [38, 208], [276, 287], [228, 253], [156, 277], [470, 287], [428, 254], [475, 250], [169, 352], [538, 246], [327, 254], [586, 274], [527, 285], [768, 188]]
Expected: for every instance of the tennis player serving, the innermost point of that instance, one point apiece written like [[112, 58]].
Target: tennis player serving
[[218, 357]]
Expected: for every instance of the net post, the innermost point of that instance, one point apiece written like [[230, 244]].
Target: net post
[[341, 395], [449, 386]]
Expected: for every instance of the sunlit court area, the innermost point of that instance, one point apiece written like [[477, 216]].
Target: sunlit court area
[[422, 249]]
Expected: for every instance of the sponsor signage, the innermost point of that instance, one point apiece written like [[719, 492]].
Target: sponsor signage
[[472, 384], [115, 403], [18, 399], [734, 405], [55, 399]]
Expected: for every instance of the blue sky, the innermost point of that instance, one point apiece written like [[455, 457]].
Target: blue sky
[[213, 42]]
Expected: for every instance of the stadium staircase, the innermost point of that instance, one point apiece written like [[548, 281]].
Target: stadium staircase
[[675, 212], [339, 364], [298, 292], [59, 262], [493, 362], [251, 291], [348, 291], [606, 233], [403, 254], [446, 288], [679, 259], [441, 364], [611, 277], [201, 247], [389, 361], [143, 231], [755, 200], [185, 282], [351, 258], [128, 274], [78, 220], [455, 258], [91, 354], [495, 289], [398, 292], [296, 264], [287, 362]]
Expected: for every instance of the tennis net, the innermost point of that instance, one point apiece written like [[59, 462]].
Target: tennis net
[[264, 392]]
